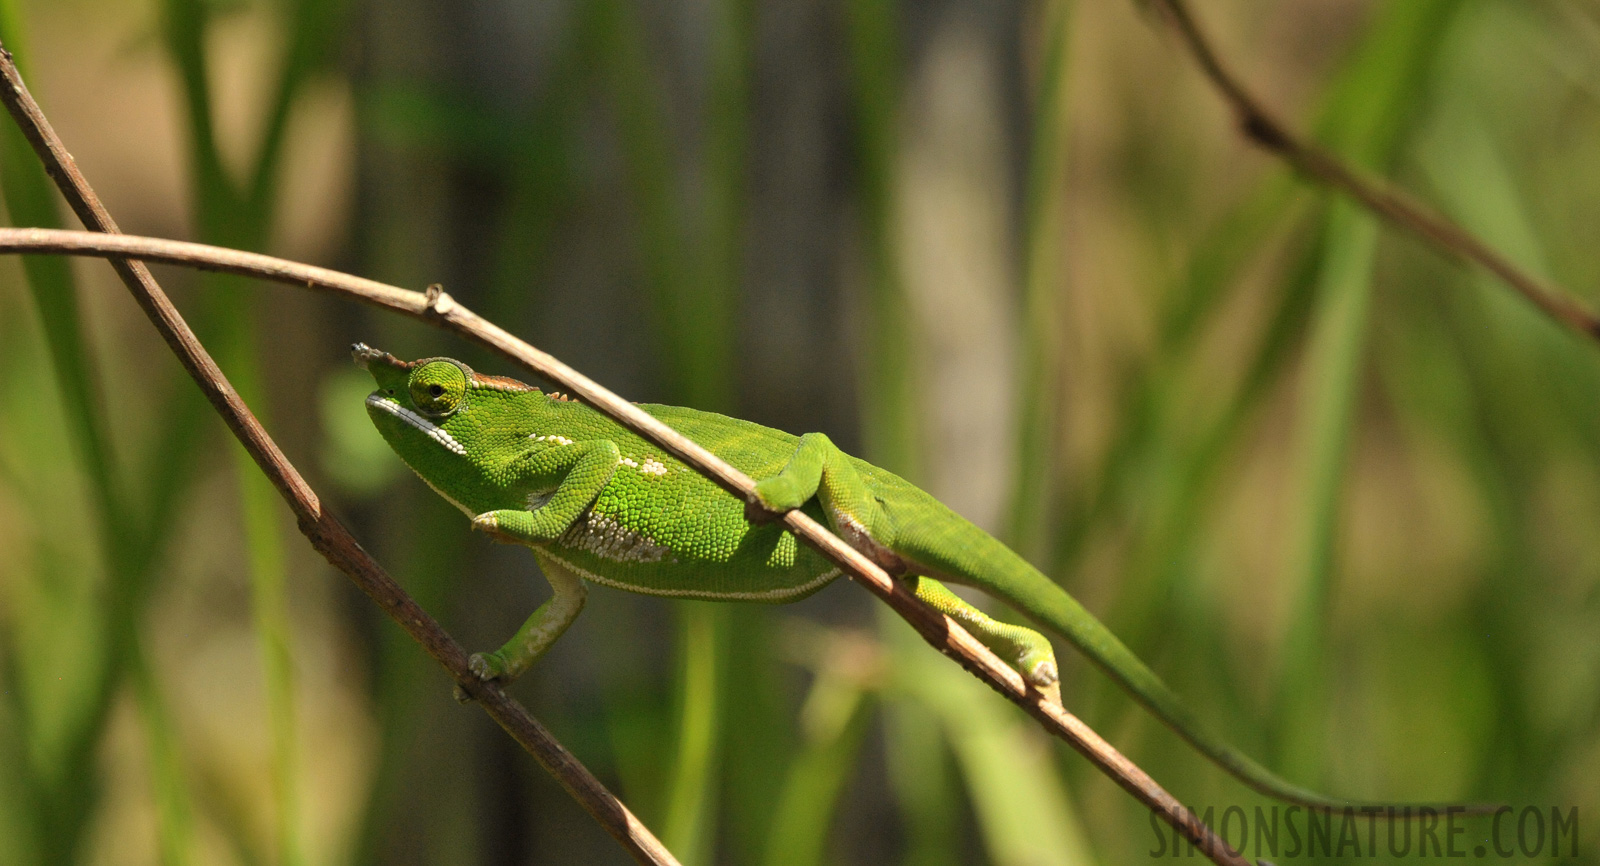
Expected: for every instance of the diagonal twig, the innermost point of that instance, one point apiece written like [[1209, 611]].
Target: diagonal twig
[[325, 532], [1266, 130], [439, 309]]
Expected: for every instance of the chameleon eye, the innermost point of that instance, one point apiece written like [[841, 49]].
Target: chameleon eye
[[437, 388]]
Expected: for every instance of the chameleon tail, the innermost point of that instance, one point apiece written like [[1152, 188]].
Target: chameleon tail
[[1012, 579]]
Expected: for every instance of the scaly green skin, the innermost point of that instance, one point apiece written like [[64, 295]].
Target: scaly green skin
[[596, 502]]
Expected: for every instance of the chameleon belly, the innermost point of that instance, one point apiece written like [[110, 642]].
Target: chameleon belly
[[634, 538]]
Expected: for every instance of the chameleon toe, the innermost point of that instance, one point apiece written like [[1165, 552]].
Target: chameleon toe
[[485, 666]]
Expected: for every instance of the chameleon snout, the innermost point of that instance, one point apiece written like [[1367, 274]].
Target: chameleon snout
[[364, 356]]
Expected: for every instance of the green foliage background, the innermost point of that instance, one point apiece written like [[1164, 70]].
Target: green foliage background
[[1339, 490]]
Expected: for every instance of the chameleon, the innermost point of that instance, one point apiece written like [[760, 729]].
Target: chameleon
[[597, 503]]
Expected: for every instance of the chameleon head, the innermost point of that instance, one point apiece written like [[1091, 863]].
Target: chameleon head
[[415, 400]]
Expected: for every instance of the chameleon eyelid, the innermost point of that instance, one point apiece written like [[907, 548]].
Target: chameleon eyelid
[[435, 389]]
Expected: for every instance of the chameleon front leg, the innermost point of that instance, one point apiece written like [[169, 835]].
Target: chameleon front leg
[[584, 469], [580, 470]]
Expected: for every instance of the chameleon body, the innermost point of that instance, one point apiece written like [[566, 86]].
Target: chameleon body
[[596, 502]]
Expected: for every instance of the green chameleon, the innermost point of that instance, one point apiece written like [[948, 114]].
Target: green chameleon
[[596, 502]]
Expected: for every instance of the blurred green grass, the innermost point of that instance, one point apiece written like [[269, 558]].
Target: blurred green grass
[[1337, 489]]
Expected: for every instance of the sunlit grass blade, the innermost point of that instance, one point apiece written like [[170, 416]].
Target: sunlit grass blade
[[127, 548], [834, 719], [1166, 549], [1043, 240], [1391, 68], [1527, 404], [269, 576], [428, 561], [759, 728], [1391, 48], [888, 397], [1382, 84], [1334, 363], [1022, 805], [242, 217], [1443, 404], [695, 303], [314, 28], [922, 779], [175, 830], [1148, 390], [693, 277], [691, 800]]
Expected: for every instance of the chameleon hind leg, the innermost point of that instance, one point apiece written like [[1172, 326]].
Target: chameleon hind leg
[[818, 468], [540, 630], [1023, 648]]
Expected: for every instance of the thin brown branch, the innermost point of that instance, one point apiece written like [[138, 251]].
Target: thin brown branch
[[1264, 128], [326, 533], [439, 309]]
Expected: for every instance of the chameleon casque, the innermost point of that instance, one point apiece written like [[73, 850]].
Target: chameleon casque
[[596, 502]]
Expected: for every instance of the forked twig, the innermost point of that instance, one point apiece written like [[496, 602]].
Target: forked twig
[[438, 308], [1264, 128], [326, 533]]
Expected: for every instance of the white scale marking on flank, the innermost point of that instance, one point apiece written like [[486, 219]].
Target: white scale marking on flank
[[651, 466], [559, 440], [603, 536], [437, 433]]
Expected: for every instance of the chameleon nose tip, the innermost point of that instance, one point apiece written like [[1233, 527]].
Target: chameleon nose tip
[[362, 354]]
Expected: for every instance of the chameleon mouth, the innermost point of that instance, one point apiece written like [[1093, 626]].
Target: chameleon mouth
[[434, 431]]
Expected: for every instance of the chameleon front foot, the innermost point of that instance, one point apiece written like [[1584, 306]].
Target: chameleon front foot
[[512, 660], [492, 525]]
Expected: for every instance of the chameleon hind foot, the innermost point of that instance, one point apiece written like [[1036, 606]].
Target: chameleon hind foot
[[1041, 673], [512, 660], [1023, 648]]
